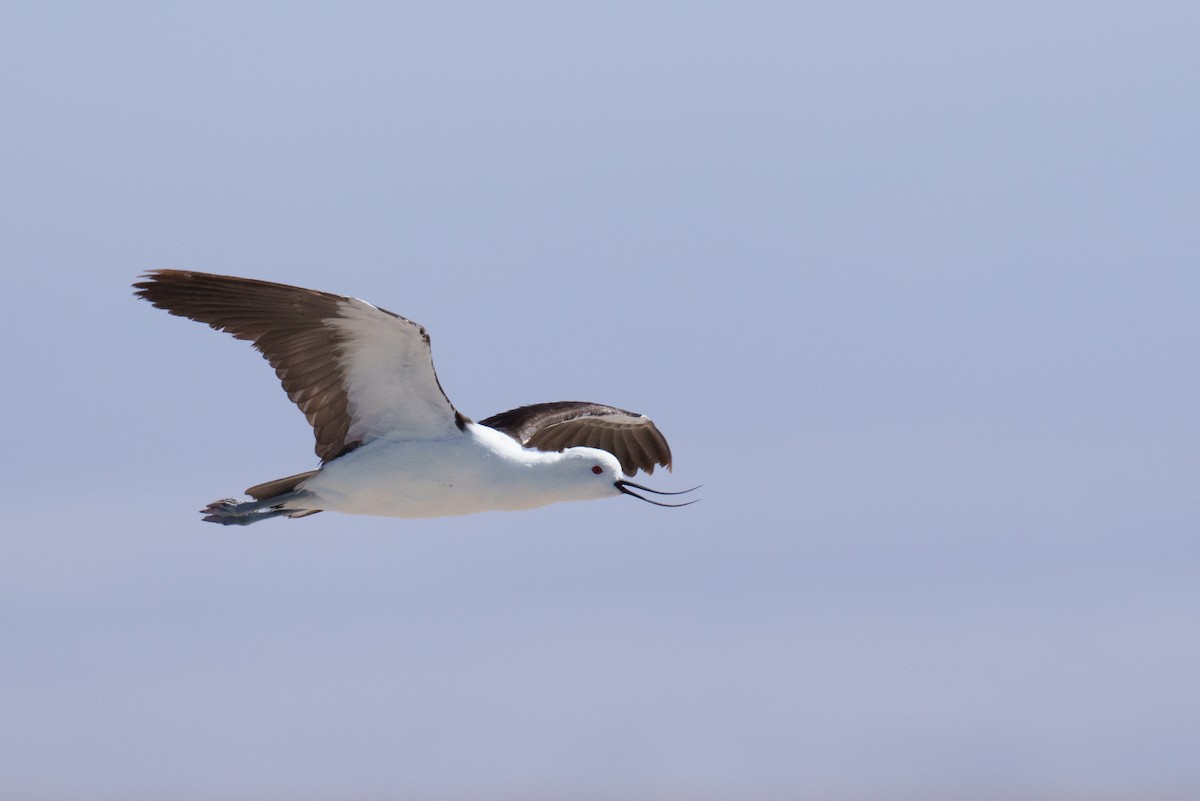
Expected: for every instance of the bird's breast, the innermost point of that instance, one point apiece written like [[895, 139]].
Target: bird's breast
[[456, 475]]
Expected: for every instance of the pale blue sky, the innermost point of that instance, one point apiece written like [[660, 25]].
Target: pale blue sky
[[912, 288]]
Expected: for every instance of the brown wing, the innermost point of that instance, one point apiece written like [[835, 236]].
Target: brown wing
[[631, 437], [356, 371]]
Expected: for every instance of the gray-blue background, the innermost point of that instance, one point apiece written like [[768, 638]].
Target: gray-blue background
[[911, 287]]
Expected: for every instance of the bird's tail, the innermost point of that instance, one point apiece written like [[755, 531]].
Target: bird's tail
[[269, 489], [271, 499]]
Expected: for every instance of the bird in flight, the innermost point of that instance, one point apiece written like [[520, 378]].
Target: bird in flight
[[389, 440]]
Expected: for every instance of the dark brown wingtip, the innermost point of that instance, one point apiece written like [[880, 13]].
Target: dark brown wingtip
[[161, 287], [151, 278], [146, 283]]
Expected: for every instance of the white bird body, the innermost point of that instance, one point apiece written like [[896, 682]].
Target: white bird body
[[390, 441], [479, 470]]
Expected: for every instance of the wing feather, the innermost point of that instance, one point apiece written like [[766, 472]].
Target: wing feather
[[356, 371], [631, 437]]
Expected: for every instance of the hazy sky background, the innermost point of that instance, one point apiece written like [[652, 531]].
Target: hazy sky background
[[912, 288]]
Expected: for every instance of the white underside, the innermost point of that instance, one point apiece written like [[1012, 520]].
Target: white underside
[[476, 470]]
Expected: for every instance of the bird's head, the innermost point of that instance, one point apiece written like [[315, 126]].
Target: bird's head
[[596, 473]]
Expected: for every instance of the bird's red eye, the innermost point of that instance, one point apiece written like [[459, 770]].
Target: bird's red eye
[[597, 469]]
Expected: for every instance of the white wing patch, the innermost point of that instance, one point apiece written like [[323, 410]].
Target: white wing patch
[[391, 387]]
